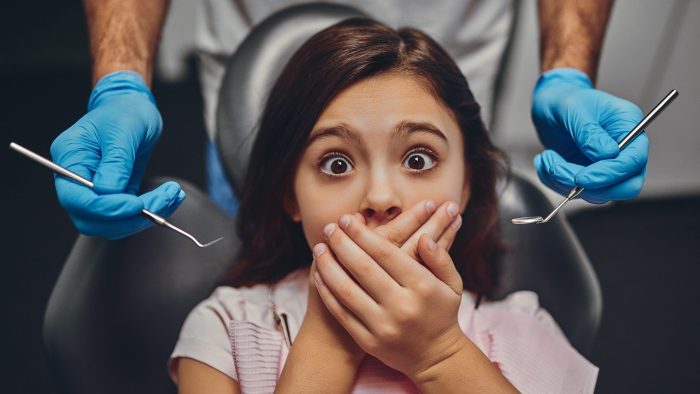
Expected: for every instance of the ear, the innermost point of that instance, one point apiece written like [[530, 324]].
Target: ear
[[290, 206], [466, 190]]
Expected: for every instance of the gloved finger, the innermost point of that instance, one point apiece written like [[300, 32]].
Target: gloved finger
[[111, 229], [76, 150], [113, 173], [619, 117], [555, 172], [76, 198], [137, 172], [163, 200], [631, 161], [625, 190], [592, 139]]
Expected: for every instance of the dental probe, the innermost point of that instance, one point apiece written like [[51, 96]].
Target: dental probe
[[77, 178]]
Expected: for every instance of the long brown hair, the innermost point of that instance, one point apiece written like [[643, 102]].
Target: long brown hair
[[272, 244]]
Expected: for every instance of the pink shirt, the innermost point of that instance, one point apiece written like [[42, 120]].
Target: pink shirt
[[234, 331]]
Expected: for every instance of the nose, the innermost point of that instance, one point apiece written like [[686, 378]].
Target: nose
[[381, 202]]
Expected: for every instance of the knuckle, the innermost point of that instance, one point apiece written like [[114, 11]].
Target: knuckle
[[639, 161], [422, 288], [385, 253], [117, 154], [389, 333], [372, 346], [406, 313], [392, 234], [345, 292]]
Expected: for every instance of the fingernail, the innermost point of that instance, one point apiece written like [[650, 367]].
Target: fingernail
[[344, 221], [181, 195], [457, 223], [319, 249], [431, 244], [452, 209], [328, 230], [430, 206]]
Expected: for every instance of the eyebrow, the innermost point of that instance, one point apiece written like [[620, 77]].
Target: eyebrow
[[401, 130]]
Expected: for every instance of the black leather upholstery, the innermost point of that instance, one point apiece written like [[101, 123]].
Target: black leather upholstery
[[253, 69], [548, 259], [116, 310], [117, 307]]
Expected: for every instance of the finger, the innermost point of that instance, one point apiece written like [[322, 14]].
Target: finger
[[450, 234], [361, 218], [111, 229], [434, 227], [137, 172], [555, 172], [81, 200], [368, 273], [116, 216], [357, 330], [163, 200], [625, 190], [620, 117], [366, 253], [400, 229], [631, 161], [114, 171], [593, 140], [440, 263], [72, 151], [343, 287]]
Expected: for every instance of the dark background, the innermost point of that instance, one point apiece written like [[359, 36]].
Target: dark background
[[646, 252]]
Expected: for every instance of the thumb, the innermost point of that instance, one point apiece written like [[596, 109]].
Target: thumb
[[114, 171], [593, 140], [163, 200], [440, 263]]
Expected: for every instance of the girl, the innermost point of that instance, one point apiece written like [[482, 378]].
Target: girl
[[371, 152]]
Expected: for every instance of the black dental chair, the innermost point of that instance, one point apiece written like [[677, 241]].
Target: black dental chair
[[117, 307]]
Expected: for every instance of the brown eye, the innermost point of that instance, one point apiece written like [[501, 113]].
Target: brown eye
[[417, 160], [335, 165]]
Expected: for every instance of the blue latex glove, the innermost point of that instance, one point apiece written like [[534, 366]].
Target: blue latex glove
[[110, 146], [581, 127]]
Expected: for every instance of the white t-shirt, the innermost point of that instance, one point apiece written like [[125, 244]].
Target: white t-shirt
[[474, 32]]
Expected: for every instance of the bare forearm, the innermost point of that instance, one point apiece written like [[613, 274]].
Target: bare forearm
[[124, 35], [313, 367], [571, 33], [467, 370]]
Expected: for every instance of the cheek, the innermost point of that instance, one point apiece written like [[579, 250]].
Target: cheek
[[318, 205], [448, 185]]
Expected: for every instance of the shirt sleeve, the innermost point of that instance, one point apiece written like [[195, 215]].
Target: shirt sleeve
[[204, 337]]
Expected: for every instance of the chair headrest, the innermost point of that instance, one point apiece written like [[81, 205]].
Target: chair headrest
[[253, 69]]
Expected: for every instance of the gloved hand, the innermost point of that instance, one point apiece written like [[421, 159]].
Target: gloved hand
[[110, 146], [581, 127]]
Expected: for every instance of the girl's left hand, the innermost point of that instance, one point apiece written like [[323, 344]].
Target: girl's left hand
[[396, 309]]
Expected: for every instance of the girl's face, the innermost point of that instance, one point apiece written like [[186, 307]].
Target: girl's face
[[381, 146]]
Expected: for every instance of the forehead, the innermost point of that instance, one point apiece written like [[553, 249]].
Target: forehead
[[374, 107]]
